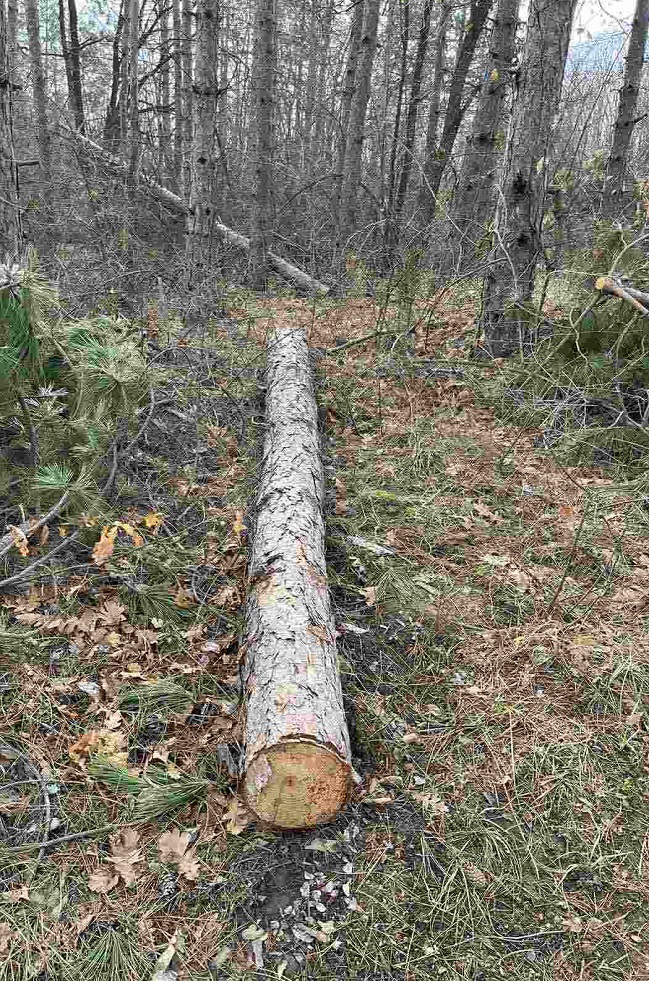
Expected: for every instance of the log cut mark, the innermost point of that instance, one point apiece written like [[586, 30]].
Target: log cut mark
[[297, 756]]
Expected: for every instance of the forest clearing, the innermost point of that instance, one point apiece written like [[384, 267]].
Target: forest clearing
[[324, 429]]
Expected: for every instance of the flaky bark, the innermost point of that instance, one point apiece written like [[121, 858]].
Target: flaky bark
[[518, 246], [626, 115], [297, 754], [485, 145], [437, 159], [176, 204], [264, 73], [38, 90]]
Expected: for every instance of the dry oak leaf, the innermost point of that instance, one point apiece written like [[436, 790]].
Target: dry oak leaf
[[237, 817], [19, 539], [370, 595], [126, 854], [15, 895], [102, 881], [105, 546], [174, 847]]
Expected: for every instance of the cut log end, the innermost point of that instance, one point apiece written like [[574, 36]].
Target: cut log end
[[297, 784]]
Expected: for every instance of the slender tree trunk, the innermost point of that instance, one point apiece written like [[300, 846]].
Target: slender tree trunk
[[485, 145], [346, 98], [436, 162], [179, 148], [38, 90], [112, 124], [188, 88], [264, 86], [413, 111], [71, 50], [390, 236], [134, 86], [435, 103], [200, 237], [12, 32], [627, 108], [10, 224], [164, 126], [321, 85], [353, 157], [509, 283]]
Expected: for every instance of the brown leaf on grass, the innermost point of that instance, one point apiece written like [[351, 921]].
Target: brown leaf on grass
[[105, 546], [237, 817], [19, 539], [6, 936], [15, 895], [153, 520], [126, 854], [174, 847], [102, 881], [13, 806], [370, 595]]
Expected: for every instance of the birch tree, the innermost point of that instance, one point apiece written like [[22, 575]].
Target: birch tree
[[38, 89], [627, 109], [486, 142], [518, 245]]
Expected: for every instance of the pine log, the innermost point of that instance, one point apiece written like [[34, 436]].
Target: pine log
[[297, 752], [176, 204]]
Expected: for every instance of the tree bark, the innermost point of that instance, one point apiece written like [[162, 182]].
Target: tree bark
[[134, 87], [179, 134], [186, 54], [71, 50], [297, 753], [509, 283], [356, 133], [626, 115], [38, 91], [485, 145], [10, 223], [112, 124], [164, 127], [436, 162], [200, 226], [173, 202], [435, 103], [390, 235], [264, 82], [346, 98]]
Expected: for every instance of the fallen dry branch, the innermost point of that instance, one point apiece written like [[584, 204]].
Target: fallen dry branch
[[176, 204], [637, 299], [297, 758]]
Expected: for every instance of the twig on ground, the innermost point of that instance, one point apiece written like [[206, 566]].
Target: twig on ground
[[7, 541]]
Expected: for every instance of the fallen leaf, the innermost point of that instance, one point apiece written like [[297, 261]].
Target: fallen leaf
[[105, 546], [237, 817], [15, 895], [153, 520], [6, 936], [370, 595], [238, 527], [19, 539], [102, 881], [172, 845], [125, 854]]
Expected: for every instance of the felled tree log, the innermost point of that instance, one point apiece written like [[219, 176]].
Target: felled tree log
[[637, 299], [176, 204], [297, 753]]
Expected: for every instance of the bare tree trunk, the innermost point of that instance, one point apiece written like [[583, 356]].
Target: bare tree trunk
[[10, 223], [134, 86], [164, 126], [186, 55], [321, 83], [509, 283], [179, 133], [12, 32], [264, 84], [112, 124], [435, 103], [626, 115], [390, 235], [200, 228], [346, 98], [413, 111], [485, 145], [297, 753], [436, 162], [354, 151], [71, 50], [38, 90]]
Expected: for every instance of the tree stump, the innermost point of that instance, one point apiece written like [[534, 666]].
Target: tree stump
[[297, 754]]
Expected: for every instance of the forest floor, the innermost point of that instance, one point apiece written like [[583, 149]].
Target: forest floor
[[491, 608]]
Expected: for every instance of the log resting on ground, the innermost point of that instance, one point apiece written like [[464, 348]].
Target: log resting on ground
[[297, 754], [176, 204]]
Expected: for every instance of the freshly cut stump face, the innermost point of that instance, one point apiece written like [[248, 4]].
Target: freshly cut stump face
[[297, 785]]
